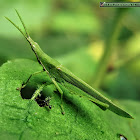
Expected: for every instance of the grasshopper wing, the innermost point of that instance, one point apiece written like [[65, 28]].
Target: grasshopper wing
[[69, 77]]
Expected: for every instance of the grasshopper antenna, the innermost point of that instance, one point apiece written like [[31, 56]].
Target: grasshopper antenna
[[22, 23], [27, 34]]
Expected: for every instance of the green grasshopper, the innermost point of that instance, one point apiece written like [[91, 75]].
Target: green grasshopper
[[63, 78]]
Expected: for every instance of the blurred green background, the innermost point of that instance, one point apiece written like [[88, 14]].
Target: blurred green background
[[78, 33]]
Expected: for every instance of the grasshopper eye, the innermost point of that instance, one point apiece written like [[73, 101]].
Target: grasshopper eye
[[33, 46]]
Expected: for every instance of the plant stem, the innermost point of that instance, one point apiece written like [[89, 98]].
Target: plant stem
[[113, 34]]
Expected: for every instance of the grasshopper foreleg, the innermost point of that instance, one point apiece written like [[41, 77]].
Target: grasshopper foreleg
[[24, 84]]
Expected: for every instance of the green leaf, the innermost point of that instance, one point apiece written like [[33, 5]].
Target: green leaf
[[21, 119]]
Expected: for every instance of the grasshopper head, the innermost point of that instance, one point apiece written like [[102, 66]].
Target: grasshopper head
[[33, 44]]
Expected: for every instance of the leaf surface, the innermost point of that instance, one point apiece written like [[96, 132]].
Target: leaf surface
[[21, 119]]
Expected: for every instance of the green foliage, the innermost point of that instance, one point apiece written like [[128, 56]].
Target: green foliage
[[21, 119], [75, 23]]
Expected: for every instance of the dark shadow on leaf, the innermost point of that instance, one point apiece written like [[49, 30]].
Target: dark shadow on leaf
[[27, 92]]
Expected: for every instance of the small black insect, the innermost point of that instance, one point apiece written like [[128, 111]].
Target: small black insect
[[42, 101]]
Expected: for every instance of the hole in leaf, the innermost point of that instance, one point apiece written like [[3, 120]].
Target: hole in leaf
[[42, 100], [27, 92]]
